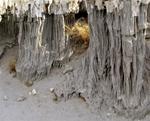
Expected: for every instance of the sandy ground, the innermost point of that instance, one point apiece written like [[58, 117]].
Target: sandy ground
[[40, 107]]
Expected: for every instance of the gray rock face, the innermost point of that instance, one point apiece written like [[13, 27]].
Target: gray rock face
[[115, 69], [39, 44], [113, 73]]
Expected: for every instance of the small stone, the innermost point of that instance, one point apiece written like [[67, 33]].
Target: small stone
[[20, 99], [67, 69], [29, 83], [51, 90], [34, 92], [108, 114], [5, 98], [82, 91]]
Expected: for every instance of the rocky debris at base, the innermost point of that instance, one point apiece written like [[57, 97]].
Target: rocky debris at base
[[51, 90], [33, 92], [21, 99], [67, 69], [29, 83]]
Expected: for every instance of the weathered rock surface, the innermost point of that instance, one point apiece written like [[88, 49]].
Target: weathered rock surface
[[115, 69], [114, 72], [39, 45]]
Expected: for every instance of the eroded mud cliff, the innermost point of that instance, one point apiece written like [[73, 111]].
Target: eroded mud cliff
[[112, 73]]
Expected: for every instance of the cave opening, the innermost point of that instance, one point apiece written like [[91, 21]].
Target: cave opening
[[9, 24], [82, 11], [77, 29], [9, 30]]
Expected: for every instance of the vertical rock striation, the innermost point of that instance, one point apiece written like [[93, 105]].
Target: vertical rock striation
[[41, 36], [114, 72], [39, 44]]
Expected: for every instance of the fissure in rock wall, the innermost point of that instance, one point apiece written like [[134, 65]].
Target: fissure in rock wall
[[8, 31]]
